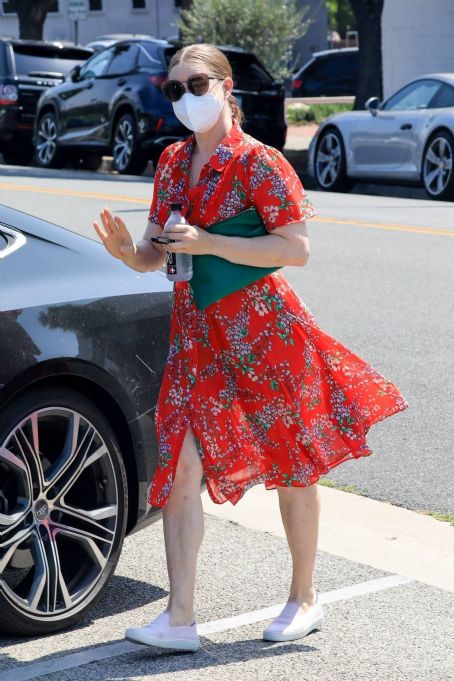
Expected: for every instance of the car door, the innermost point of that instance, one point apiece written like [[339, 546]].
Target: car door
[[383, 145], [80, 110], [117, 82]]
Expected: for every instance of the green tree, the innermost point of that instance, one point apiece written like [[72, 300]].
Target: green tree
[[368, 15], [341, 16], [266, 27], [32, 15]]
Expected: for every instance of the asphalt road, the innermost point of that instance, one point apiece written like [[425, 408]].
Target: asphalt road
[[380, 280]]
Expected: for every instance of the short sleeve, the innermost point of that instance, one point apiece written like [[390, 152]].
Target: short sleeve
[[158, 212], [276, 190]]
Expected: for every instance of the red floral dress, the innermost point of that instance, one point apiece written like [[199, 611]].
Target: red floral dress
[[271, 398]]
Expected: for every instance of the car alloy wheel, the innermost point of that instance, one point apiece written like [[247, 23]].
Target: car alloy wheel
[[330, 162], [127, 157], [437, 169], [62, 513], [47, 152]]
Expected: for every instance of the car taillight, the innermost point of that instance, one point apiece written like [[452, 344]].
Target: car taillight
[[8, 94], [158, 80], [297, 83]]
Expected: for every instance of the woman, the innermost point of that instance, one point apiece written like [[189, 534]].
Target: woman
[[253, 390]]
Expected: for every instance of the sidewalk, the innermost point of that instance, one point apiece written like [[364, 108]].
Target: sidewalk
[[360, 529]]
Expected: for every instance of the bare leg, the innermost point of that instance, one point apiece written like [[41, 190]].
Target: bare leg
[[183, 532], [300, 512]]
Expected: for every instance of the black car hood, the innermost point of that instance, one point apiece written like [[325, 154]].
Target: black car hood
[[56, 265]]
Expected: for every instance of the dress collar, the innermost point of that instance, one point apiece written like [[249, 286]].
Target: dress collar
[[227, 148]]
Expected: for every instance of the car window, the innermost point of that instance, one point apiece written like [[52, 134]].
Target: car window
[[33, 60], [95, 66], [124, 60], [149, 57], [444, 97], [335, 67], [416, 95], [248, 73]]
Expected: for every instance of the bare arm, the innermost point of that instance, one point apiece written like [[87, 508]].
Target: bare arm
[[288, 245]]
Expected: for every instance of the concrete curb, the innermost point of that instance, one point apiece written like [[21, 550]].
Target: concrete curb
[[360, 529]]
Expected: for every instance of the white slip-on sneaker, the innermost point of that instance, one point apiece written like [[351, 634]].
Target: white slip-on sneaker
[[162, 634], [291, 624]]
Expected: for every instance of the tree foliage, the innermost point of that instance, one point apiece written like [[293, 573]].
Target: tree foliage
[[368, 15], [341, 16], [266, 27], [31, 15]]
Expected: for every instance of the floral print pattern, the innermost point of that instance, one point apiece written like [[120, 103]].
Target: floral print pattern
[[271, 398]]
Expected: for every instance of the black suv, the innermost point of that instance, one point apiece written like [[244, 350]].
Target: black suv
[[114, 104], [328, 73], [27, 68]]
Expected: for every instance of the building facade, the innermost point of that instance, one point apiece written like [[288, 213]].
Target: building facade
[[417, 38], [158, 18], [316, 38]]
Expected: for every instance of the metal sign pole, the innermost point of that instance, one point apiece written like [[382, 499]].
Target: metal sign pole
[[76, 31]]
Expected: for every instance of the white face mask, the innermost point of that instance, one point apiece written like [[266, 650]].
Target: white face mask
[[198, 113]]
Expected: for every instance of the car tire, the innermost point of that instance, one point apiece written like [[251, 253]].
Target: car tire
[[128, 158], [47, 152], [437, 168], [330, 162], [63, 509]]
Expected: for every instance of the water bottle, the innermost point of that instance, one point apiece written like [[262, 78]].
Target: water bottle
[[179, 265]]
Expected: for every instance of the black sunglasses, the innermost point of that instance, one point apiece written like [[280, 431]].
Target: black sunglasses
[[198, 85]]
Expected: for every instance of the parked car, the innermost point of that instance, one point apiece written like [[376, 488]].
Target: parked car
[[27, 68], [110, 39], [407, 139], [114, 104], [328, 73], [83, 343]]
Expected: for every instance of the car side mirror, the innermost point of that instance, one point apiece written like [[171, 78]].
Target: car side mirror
[[75, 74], [372, 105]]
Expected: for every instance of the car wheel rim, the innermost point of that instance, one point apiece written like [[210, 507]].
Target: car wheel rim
[[437, 167], [58, 513], [123, 143], [328, 160], [46, 142]]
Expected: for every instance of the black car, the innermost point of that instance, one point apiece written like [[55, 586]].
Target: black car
[[27, 68], [83, 343], [114, 104], [328, 73]]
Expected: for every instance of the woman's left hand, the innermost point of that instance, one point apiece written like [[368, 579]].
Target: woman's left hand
[[188, 239]]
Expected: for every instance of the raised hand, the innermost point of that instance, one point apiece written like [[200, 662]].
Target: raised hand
[[114, 236]]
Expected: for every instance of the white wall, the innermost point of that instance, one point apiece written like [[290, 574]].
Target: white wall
[[159, 19], [417, 38]]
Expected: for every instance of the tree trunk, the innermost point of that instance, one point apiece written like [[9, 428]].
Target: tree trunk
[[31, 15], [368, 15]]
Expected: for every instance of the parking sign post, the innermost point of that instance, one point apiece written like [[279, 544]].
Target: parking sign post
[[77, 10]]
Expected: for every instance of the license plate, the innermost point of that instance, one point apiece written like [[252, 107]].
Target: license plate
[[239, 99]]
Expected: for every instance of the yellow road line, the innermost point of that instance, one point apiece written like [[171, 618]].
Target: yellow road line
[[140, 200], [393, 227], [73, 192]]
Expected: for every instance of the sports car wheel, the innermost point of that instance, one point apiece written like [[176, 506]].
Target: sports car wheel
[[127, 157], [330, 162], [63, 503], [47, 153], [437, 167]]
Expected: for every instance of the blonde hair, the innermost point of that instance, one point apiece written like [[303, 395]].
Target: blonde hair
[[217, 63]]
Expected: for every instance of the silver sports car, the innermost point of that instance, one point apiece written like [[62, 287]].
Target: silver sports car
[[407, 139]]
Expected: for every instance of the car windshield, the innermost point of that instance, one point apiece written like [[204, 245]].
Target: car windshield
[[36, 61]]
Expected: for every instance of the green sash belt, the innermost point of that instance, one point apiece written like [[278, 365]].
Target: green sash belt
[[215, 277]]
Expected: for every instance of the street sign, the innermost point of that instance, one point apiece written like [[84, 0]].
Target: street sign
[[77, 10]]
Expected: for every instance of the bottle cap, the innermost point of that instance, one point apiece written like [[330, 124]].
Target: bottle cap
[[176, 206]]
